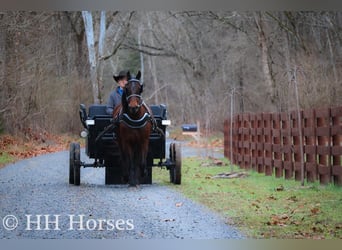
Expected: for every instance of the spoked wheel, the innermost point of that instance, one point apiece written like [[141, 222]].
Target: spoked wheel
[[172, 158], [178, 166], [75, 164], [176, 159], [71, 163]]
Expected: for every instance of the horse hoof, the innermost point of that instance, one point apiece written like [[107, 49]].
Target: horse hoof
[[133, 187]]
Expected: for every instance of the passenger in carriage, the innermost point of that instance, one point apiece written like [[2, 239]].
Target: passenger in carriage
[[115, 97]]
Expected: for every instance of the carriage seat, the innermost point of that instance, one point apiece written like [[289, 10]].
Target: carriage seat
[[97, 110], [159, 111]]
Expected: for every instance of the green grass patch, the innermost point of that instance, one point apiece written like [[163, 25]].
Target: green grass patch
[[5, 158], [262, 206]]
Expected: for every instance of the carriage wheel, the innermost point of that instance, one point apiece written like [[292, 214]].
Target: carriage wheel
[[77, 165], [171, 170], [71, 163], [178, 164]]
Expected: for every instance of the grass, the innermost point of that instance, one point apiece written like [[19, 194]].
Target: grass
[[262, 206], [5, 159]]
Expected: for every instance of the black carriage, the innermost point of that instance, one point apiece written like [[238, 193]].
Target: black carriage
[[102, 146]]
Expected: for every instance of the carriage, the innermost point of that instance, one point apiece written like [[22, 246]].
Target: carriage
[[102, 147]]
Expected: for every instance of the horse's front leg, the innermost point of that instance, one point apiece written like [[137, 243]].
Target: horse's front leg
[[136, 166], [124, 169], [143, 160], [132, 173]]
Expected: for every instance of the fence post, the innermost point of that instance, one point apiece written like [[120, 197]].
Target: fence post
[[277, 148], [267, 119], [225, 139], [240, 142], [310, 148], [336, 150], [286, 145], [235, 139], [297, 156], [323, 148], [246, 141], [254, 141], [260, 144]]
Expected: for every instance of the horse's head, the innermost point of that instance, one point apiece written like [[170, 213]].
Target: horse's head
[[132, 93]]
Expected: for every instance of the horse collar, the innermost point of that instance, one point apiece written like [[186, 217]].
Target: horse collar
[[135, 123]]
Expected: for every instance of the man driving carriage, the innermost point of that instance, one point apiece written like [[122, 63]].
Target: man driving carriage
[[115, 96]]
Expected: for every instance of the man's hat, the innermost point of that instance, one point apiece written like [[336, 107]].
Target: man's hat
[[122, 74]]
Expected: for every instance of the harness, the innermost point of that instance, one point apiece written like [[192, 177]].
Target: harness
[[136, 123], [133, 123]]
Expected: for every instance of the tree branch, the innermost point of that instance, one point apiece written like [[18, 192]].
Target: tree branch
[[121, 40]]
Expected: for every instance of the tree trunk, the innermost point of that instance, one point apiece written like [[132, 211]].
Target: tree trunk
[[102, 41], [141, 55], [152, 62], [333, 64], [89, 31], [265, 58]]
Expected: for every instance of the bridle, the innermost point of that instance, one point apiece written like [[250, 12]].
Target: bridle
[[141, 101]]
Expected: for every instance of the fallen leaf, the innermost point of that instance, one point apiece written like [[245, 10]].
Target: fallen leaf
[[284, 216], [179, 204], [218, 162], [272, 198], [315, 210], [293, 198], [255, 205], [280, 188], [278, 220]]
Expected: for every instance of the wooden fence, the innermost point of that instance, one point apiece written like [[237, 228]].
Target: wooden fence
[[270, 143]]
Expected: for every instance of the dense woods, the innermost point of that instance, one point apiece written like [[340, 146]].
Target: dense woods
[[198, 63]]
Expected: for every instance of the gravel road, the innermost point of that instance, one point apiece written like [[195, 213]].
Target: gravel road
[[37, 193]]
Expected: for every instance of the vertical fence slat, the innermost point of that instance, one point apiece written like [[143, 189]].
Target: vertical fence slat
[[235, 139], [246, 141], [226, 139], [260, 144], [310, 148], [336, 150], [286, 144], [254, 138], [240, 142], [267, 119], [323, 148], [277, 147], [295, 133]]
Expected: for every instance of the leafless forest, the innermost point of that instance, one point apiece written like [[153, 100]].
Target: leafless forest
[[198, 63]]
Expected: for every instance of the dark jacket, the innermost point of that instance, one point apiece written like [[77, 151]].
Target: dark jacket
[[113, 100]]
